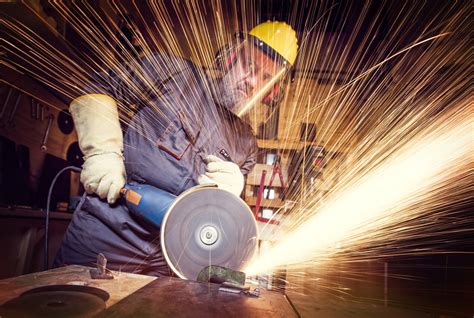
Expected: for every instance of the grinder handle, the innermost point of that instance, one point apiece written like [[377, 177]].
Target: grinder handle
[[147, 202]]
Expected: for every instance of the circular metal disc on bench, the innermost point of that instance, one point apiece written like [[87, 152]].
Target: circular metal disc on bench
[[207, 226], [57, 301]]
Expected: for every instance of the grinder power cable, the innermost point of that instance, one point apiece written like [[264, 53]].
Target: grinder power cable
[[203, 226]]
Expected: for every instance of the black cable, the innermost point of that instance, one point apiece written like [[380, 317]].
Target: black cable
[[46, 227]]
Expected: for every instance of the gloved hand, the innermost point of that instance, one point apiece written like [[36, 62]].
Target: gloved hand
[[100, 139], [225, 174], [104, 175]]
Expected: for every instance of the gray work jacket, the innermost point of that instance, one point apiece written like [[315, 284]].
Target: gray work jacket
[[165, 144]]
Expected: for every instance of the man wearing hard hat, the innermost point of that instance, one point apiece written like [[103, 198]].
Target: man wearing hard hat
[[188, 131]]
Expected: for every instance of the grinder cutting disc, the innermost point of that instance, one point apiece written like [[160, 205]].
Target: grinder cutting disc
[[207, 226]]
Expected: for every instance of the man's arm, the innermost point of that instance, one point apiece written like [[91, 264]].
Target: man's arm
[[97, 121], [100, 139]]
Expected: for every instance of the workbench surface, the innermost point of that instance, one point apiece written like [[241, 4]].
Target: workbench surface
[[118, 288], [133, 295]]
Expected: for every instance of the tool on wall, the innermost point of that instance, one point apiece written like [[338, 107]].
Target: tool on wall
[[5, 103], [40, 111], [37, 110], [33, 108], [44, 147], [4, 120]]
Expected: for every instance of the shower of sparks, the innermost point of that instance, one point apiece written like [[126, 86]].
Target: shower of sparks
[[390, 97], [380, 199]]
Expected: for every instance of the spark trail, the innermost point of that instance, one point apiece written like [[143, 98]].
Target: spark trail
[[377, 200]]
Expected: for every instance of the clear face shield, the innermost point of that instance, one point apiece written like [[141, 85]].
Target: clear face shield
[[253, 73]]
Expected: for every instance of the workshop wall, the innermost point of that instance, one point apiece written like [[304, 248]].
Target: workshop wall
[[28, 163], [28, 110]]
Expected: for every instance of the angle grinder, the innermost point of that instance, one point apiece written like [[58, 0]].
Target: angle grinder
[[203, 226]]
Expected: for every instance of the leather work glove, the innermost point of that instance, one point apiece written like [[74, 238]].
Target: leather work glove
[[100, 139], [225, 174]]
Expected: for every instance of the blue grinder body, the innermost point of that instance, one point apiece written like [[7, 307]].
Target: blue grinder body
[[147, 201]]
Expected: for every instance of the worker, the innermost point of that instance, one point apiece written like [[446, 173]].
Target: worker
[[189, 130]]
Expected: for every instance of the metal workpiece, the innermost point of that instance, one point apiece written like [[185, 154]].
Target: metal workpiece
[[174, 297], [220, 275], [44, 146]]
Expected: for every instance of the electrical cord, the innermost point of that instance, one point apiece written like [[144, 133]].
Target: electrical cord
[[46, 227]]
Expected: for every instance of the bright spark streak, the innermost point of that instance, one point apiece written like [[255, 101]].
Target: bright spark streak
[[364, 207]]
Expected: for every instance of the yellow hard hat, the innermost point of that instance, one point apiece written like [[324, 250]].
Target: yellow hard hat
[[280, 37]]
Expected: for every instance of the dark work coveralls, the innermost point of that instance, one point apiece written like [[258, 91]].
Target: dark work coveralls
[[165, 144]]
